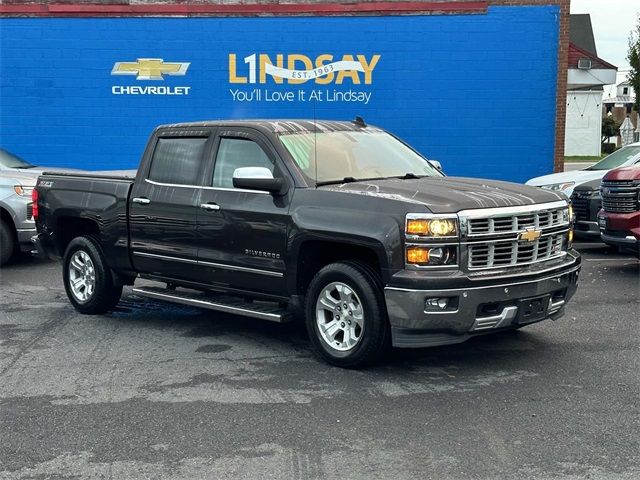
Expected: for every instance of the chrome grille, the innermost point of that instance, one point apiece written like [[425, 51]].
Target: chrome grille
[[620, 196], [515, 223], [29, 211], [507, 253], [506, 237]]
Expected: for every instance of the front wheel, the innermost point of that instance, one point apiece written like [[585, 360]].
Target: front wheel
[[7, 243], [87, 278], [346, 315]]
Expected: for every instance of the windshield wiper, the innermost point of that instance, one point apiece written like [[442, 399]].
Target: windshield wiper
[[408, 176], [336, 182]]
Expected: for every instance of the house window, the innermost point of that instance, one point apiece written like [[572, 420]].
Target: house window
[[625, 91]]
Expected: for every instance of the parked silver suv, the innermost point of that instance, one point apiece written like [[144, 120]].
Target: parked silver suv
[[17, 179]]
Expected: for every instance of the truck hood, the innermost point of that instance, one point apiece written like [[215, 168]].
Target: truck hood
[[625, 173], [450, 194]]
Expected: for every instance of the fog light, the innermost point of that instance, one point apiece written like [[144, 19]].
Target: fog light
[[439, 304]]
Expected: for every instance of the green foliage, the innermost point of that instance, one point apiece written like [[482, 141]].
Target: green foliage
[[633, 56], [609, 127]]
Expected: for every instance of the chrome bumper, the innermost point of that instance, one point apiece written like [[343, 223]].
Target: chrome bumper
[[477, 309]]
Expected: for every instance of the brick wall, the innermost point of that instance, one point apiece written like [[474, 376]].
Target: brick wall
[[125, 8]]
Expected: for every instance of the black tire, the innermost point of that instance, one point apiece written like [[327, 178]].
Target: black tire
[[374, 334], [7, 243], [105, 294]]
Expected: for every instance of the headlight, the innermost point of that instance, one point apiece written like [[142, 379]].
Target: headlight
[[431, 256], [431, 226], [558, 187], [23, 191]]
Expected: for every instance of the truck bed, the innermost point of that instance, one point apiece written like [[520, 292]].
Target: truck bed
[[68, 199]]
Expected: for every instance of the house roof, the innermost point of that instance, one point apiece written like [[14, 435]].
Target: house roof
[[581, 32], [576, 53], [619, 99]]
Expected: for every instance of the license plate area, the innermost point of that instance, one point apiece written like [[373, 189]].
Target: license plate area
[[533, 309]]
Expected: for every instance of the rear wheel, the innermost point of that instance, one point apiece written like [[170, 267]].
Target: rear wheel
[[7, 243], [87, 278], [346, 315]]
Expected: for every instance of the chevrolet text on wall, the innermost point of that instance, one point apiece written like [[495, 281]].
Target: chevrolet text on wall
[[149, 69], [325, 69]]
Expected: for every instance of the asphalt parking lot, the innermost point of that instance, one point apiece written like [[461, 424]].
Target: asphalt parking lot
[[157, 391]]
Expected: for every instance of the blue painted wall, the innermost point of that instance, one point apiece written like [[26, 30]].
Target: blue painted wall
[[476, 92]]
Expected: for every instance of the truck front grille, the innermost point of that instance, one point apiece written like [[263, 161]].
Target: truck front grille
[[515, 223], [506, 237], [509, 253], [620, 196], [580, 202], [29, 211]]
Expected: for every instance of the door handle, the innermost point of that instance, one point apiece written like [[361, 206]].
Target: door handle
[[210, 206], [141, 200]]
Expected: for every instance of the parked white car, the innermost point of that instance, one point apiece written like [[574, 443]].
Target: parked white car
[[565, 182]]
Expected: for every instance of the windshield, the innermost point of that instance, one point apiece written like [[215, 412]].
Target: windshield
[[9, 160], [354, 155], [616, 159]]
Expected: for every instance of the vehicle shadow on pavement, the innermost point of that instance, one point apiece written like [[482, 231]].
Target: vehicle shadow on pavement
[[222, 334]]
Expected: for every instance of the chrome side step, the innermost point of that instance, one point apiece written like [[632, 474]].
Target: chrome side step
[[218, 302]]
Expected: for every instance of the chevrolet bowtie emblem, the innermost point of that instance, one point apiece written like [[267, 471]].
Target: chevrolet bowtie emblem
[[530, 235], [149, 68]]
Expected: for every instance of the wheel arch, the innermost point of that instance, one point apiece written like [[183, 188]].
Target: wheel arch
[[69, 227], [313, 254]]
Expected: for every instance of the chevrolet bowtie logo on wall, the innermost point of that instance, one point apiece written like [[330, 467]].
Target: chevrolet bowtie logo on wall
[[530, 235], [150, 68]]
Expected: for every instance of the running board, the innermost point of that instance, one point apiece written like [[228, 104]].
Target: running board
[[218, 302]]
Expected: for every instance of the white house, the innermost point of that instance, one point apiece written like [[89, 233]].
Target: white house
[[586, 76]]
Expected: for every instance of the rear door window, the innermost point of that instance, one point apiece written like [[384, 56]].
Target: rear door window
[[178, 161]]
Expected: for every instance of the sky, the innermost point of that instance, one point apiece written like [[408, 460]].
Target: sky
[[612, 22]]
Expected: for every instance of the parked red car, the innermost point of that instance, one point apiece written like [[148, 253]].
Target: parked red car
[[619, 219]]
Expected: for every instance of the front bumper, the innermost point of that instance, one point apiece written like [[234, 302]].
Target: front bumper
[[496, 305], [621, 230], [587, 230]]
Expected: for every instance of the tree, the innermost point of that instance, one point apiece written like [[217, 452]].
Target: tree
[[633, 56], [609, 127]]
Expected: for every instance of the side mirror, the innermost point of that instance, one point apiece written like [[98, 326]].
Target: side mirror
[[436, 164], [258, 178]]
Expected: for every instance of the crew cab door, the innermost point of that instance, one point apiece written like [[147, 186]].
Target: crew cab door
[[165, 202], [242, 233]]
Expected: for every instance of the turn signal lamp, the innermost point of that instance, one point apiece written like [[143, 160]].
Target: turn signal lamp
[[417, 227], [418, 255]]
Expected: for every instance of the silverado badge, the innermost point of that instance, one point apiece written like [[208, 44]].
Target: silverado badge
[[530, 235]]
